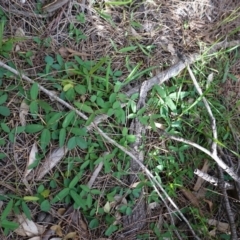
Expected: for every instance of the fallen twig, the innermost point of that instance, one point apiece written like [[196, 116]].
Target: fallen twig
[[221, 182], [54, 5], [178, 67], [217, 159], [212, 180], [150, 177], [95, 174], [227, 206], [212, 118], [171, 72]]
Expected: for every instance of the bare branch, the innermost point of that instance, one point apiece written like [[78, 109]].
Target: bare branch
[[96, 172], [171, 72], [217, 159], [178, 67], [214, 127], [213, 180], [227, 206]]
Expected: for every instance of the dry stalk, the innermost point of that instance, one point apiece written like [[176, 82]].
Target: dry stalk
[[227, 206], [55, 5], [214, 127]]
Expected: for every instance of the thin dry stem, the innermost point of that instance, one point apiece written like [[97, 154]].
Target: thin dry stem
[[214, 127]]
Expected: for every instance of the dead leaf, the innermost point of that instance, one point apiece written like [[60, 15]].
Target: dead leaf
[[66, 52], [51, 161], [31, 159], [135, 34], [73, 53], [17, 48], [119, 198], [212, 233], [63, 52], [159, 125], [48, 234], [57, 229], [209, 80], [61, 211], [210, 204], [153, 205], [107, 207], [118, 216], [170, 48], [200, 181], [134, 185], [118, 201], [28, 227], [70, 235], [35, 238], [192, 198], [19, 32], [83, 226], [221, 226], [23, 112]]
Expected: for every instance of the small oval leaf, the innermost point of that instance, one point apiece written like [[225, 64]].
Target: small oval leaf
[[5, 127], [26, 210], [61, 195], [3, 98], [75, 180], [45, 206], [4, 111], [77, 199], [72, 143], [34, 91], [62, 137], [30, 198], [68, 119], [83, 107], [33, 128], [45, 138], [81, 143], [34, 109]]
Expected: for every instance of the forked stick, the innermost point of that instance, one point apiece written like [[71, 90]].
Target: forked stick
[[217, 159]]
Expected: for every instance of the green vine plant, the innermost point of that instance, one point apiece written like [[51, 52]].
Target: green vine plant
[[68, 129]]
